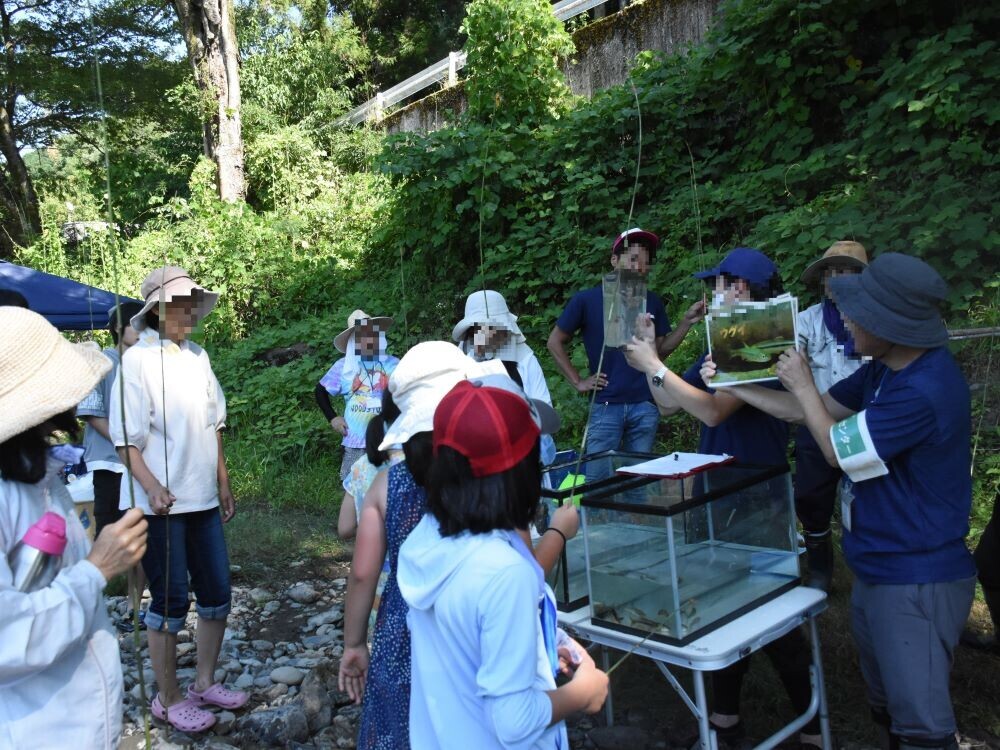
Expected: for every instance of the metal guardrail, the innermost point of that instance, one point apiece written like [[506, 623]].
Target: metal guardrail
[[447, 69]]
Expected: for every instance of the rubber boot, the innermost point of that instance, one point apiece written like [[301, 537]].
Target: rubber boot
[[819, 559]]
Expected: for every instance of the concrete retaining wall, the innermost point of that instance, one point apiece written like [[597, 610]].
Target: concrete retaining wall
[[606, 50]]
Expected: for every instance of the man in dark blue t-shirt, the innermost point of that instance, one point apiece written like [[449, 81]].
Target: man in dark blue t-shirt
[[899, 428], [624, 416]]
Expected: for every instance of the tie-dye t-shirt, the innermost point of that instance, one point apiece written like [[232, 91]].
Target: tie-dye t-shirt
[[362, 394]]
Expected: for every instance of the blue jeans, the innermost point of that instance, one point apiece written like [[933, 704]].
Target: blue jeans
[[626, 427], [198, 547]]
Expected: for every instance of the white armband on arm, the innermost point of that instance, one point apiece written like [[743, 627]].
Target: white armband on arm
[[855, 450]]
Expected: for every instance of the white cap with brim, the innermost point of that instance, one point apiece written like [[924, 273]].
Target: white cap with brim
[[41, 373], [487, 307], [422, 378]]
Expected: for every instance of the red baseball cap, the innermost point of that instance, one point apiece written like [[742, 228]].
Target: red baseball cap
[[494, 426], [650, 240]]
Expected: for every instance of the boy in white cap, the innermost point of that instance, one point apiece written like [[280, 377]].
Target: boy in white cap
[[360, 377]]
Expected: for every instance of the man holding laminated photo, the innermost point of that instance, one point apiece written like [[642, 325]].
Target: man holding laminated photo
[[623, 416], [899, 428]]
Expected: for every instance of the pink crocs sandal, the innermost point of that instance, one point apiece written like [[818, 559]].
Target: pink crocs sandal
[[184, 716], [218, 695]]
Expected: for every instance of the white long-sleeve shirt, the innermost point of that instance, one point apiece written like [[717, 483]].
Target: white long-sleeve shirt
[[173, 408], [60, 671], [827, 360]]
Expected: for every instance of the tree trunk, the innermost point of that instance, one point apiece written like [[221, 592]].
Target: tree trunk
[[21, 221], [210, 35]]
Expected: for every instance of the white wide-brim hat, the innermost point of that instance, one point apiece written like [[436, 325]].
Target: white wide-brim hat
[[168, 283], [383, 322], [41, 373], [422, 378], [487, 306]]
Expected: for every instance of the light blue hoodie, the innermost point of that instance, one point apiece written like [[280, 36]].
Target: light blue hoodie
[[480, 667]]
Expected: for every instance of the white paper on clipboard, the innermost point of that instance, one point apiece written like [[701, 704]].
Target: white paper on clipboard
[[676, 464]]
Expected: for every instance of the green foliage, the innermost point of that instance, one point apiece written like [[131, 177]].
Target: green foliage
[[405, 36], [299, 256], [799, 123], [514, 50], [280, 397]]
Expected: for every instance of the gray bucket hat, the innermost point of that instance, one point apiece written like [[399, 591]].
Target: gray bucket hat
[[895, 298]]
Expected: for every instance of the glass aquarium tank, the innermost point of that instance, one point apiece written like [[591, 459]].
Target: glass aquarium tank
[[676, 558], [570, 480]]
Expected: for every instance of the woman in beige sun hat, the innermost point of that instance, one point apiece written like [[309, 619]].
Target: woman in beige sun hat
[[170, 424], [60, 670]]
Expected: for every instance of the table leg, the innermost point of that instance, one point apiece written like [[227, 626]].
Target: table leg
[[609, 709], [706, 736], [817, 658]]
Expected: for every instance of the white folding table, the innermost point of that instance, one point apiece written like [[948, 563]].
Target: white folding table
[[720, 648]]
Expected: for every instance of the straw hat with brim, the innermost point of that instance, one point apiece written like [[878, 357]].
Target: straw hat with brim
[[490, 308], [168, 283], [895, 298], [422, 378], [41, 373], [340, 341], [845, 254]]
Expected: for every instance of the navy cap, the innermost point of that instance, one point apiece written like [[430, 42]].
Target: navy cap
[[743, 263]]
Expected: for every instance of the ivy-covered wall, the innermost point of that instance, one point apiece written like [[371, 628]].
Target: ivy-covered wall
[[605, 53]]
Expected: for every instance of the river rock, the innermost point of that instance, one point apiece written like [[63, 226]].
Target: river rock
[[303, 593], [244, 681], [260, 596], [276, 726], [333, 615], [224, 721], [287, 675]]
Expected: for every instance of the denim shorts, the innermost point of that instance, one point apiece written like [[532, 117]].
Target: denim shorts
[[198, 548]]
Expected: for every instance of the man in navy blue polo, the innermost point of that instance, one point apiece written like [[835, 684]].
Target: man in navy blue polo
[[899, 428], [624, 416]]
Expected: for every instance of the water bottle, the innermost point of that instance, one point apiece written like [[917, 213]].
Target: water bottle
[[36, 559]]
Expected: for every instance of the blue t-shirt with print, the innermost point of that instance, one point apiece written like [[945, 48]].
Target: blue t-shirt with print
[[585, 313], [909, 525], [748, 434]]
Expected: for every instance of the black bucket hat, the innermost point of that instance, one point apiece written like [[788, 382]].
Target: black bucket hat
[[896, 298]]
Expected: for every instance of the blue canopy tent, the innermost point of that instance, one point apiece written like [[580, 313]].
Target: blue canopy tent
[[66, 304]]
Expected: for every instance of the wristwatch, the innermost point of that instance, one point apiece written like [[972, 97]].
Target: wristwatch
[[658, 377]]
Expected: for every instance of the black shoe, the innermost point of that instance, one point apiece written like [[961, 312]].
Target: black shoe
[[819, 560]]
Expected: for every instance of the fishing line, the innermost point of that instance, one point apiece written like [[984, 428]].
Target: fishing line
[[134, 594], [611, 312], [617, 288]]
